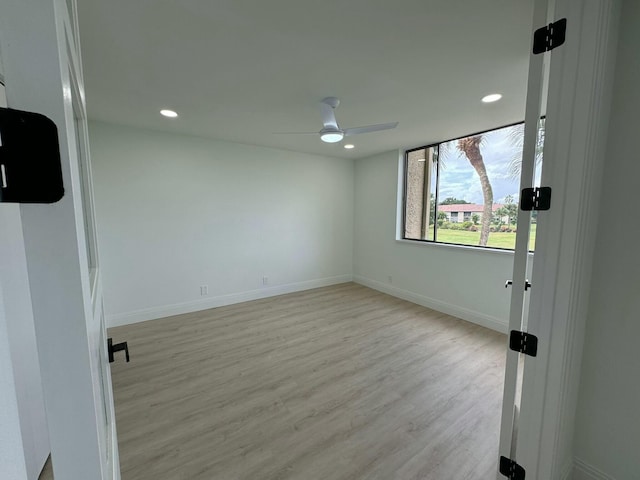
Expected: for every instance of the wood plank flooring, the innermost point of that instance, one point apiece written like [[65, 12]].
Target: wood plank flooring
[[340, 383], [47, 471]]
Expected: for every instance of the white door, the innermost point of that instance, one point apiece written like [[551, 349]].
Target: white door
[[43, 74], [518, 314], [571, 85]]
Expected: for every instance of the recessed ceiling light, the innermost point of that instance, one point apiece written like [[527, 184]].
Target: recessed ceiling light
[[494, 97], [169, 113], [349, 146]]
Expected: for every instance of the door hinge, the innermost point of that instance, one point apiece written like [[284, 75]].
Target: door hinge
[[118, 347], [511, 469], [538, 198], [523, 342], [547, 38]]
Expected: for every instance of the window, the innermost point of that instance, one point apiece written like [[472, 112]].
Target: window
[[465, 191]]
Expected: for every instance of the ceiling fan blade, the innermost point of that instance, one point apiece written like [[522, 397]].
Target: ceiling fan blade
[[370, 128], [328, 116]]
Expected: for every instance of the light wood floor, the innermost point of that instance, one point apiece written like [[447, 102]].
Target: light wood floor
[[336, 383], [47, 472], [341, 382]]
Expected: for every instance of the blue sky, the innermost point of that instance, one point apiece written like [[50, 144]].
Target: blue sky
[[459, 179]]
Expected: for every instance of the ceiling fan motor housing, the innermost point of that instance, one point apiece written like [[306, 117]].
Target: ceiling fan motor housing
[[333, 102]]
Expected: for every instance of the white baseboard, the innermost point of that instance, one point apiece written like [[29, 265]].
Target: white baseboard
[[583, 471], [115, 455], [153, 313], [567, 471], [438, 305]]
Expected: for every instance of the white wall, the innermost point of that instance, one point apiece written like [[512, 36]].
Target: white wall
[[607, 434], [12, 459], [21, 330], [177, 212], [465, 282], [12, 455]]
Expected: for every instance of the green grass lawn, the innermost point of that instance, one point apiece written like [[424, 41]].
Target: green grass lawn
[[496, 239]]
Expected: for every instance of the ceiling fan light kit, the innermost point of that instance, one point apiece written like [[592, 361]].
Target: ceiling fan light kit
[[332, 133], [331, 136]]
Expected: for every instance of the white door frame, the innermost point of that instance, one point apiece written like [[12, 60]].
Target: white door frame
[[40, 54], [580, 87], [522, 259]]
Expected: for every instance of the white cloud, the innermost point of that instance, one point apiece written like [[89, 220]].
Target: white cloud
[[459, 179]]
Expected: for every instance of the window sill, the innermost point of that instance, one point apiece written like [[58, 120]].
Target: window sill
[[466, 248]]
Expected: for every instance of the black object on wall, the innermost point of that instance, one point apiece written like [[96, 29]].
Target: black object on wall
[[30, 168]]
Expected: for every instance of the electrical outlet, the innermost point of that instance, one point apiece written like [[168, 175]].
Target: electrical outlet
[[390, 279], [204, 290], [265, 280]]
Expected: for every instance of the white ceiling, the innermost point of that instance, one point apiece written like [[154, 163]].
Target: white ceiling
[[241, 70]]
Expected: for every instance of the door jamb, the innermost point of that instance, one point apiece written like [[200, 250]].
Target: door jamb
[[580, 90]]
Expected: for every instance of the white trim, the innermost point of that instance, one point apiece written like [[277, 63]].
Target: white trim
[[583, 471], [472, 316], [399, 195], [154, 313], [567, 473], [115, 453], [469, 248]]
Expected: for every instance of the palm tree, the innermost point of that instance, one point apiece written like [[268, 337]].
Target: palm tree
[[470, 146], [516, 139]]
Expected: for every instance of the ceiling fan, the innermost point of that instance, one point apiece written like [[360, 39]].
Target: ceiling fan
[[331, 132]]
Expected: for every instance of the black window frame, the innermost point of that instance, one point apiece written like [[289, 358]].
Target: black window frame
[[436, 146]]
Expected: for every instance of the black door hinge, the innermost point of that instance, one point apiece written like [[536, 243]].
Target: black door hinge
[[523, 342], [511, 469], [118, 347], [547, 38], [538, 198]]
